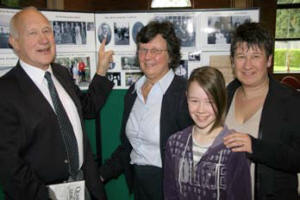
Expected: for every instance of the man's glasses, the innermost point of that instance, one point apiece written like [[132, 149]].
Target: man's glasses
[[155, 52]]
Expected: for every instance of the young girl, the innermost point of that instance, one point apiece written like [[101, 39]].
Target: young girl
[[197, 164]]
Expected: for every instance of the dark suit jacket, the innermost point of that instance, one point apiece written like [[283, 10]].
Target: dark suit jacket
[[32, 152], [174, 117], [276, 152]]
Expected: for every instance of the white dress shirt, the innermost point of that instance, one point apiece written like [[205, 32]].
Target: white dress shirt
[[143, 125], [37, 76]]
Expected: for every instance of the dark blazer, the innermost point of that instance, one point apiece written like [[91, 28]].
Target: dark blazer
[[174, 117], [276, 152], [32, 153]]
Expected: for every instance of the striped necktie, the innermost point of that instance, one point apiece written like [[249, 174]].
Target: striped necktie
[[66, 128]]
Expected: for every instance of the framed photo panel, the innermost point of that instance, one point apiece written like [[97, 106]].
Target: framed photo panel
[[217, 26], [205, 36]]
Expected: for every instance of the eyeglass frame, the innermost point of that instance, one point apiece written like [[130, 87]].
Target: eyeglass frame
[[153, 51]]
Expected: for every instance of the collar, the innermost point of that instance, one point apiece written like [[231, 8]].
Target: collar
[[163, 83], [35, 73]]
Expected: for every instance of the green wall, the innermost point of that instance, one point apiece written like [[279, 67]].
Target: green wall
[[111, 116]]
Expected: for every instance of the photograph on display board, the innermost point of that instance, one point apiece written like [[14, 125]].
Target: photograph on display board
[[81, 66], [220, 30], [135, 29], [66, 32], [114, 77], [222, 27], [217, 27], [129, 63], [182, 69], [194, 56], [121, 33], [104, 31], [184, 28], [73, 31], [132, 77]]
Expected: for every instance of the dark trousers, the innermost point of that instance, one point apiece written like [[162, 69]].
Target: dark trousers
[[147, 183]]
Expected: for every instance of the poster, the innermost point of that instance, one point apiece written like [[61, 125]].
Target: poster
[[205, 37]]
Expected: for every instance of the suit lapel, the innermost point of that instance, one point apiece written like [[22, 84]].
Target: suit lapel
[[31, 92]]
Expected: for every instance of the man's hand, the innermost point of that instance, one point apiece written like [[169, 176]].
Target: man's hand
[[104, 59]]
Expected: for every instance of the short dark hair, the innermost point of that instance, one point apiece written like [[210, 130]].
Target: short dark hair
[[254, 35], [212, 82], [166, 30]]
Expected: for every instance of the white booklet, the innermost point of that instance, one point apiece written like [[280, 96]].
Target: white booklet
[[67, 191]]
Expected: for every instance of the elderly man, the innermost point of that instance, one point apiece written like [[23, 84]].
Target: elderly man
[[43, 141]]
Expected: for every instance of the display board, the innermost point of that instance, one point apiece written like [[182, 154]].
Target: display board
[[205, 40]]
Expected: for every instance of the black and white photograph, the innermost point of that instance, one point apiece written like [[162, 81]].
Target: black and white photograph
[[216, 28], [220, 30], [66, 32], [132, 77], [184, 28], [129, 63], [121, 33], [194, 56], [71, 31], [114, 77], [182, 69], [135, 29], [104, 31]]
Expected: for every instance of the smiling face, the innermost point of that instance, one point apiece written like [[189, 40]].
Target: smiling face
[[34, 40], [251, 65], [154, 65], [200, 107]]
